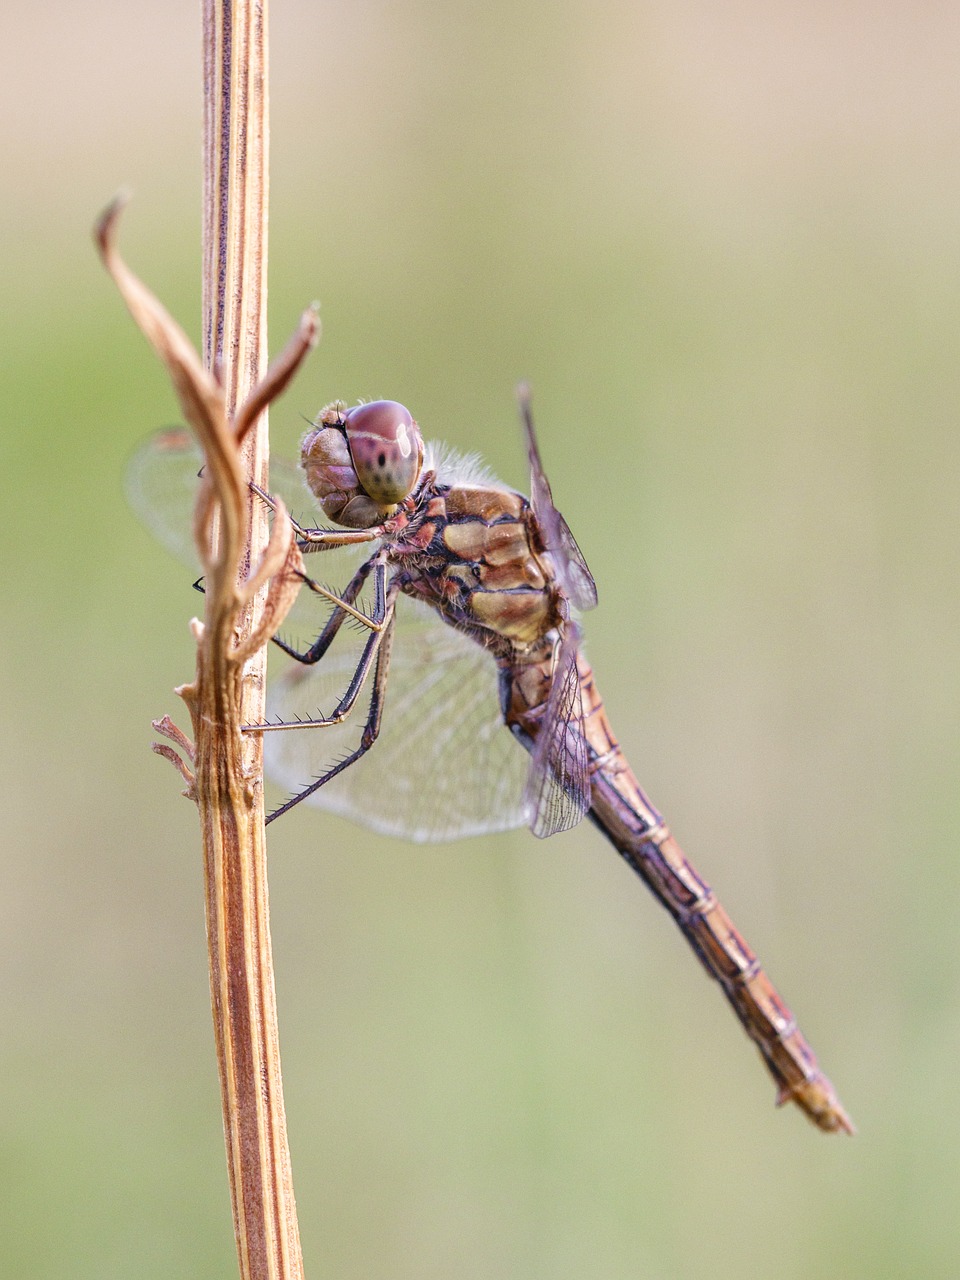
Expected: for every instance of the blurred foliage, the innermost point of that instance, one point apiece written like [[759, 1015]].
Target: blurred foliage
[[722, 244]]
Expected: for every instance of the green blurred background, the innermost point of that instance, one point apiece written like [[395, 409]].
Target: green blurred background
[[722, 242]]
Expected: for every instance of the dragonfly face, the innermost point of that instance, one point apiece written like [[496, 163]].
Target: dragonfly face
[[361, 463]]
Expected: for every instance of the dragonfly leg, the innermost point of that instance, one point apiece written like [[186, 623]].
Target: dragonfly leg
[[378, 646], [343, 610], [371, 652], [317, 539]]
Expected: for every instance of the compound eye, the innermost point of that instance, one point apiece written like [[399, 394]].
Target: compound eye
[[386, 448]]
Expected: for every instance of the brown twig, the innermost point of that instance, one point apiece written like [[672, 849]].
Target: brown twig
[[224, 783], [251, 581]]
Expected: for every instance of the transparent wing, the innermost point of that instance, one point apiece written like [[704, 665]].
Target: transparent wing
[[575, 577], [557, 794], [444, 765], [161, 486]]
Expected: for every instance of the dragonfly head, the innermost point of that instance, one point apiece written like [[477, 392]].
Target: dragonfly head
[[361, 463]]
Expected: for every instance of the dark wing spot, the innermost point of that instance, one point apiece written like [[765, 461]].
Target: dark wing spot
[[382, 460]]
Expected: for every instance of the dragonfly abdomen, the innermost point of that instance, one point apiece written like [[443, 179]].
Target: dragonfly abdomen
[[621, 810]]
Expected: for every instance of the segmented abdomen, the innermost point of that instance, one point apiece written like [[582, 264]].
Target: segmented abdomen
[[635, 828]]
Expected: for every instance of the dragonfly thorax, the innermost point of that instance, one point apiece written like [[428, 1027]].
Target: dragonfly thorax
[[361, 463]]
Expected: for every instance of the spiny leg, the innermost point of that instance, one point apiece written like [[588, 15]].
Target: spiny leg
[[361, 671], [344, 608], [333, 624], [382, 641]]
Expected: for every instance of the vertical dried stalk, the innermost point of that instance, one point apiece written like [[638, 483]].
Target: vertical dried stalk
[[238, 932], [249, 586], [225, 783]]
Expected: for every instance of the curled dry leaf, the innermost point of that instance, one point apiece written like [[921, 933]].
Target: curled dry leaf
[[168, 729], [204, 407], [279, 374], [222, 503], [178, 762], [282, 566]]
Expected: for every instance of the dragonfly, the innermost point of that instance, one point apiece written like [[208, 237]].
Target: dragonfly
[[483, 713]]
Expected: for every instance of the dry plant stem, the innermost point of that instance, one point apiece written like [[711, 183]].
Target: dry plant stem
[[242, 611], [232, 693], [220, 777], [238, 932]]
